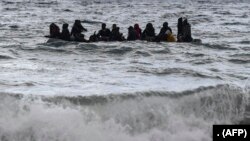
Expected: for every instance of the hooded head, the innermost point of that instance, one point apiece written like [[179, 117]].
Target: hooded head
[[103, 26], [149, 26], [165, 24], [65, 26], [136, 26], [114, 26], [77, 22], [52, 25], [179, 22], [130, 28]]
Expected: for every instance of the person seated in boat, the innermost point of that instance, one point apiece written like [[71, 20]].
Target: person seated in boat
[[179, 30], [163, 33], [120, 35], [116, 35], [149, 33], [184, 31], [104, 34], [132, 35], [114, 26], [54, 31], [65, 35], [138, 31], [186, 27], [77, 30], [93, 38]]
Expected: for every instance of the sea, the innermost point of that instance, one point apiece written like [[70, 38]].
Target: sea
[[53, 90]]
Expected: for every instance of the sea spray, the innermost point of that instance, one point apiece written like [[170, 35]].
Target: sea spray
[[151, 117]]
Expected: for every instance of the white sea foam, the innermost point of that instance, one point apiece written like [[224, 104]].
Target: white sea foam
[[151, 118], [130, 90]]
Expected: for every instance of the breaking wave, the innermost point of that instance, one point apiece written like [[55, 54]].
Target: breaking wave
[[150, 116]]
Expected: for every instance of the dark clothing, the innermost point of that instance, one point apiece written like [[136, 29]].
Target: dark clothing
[[163, 35], [54, 31], [138, 31], [80, 38], [132, 36], [113, 30], [164, 30], [184, 31], [113, 34], [77, 29], [65, 35], [187, 33], [104, 34], [148, 35], [180, 30], [93, 38], [179, 27], [116, 35]]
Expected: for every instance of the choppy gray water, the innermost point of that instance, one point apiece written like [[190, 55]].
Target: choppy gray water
[[56, 90]]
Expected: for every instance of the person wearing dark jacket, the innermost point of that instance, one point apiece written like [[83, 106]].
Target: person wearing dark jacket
[[104, 34], [76, 31], [132, 36], [114, 26], [93, 38], [138, 31], [179, 26], [162, 36], [54, 31], [186, 27], [77, 28], [65, 35], [149, 33], [179, 30], [116, 35], [184, 31]]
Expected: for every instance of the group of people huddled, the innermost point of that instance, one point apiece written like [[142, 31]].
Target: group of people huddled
[[134, 33]]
